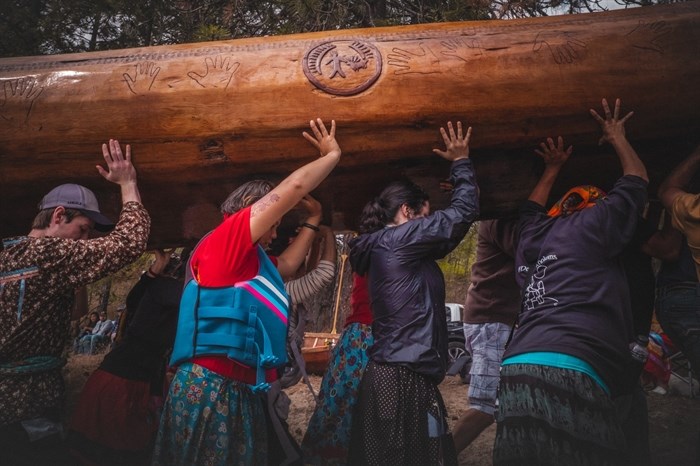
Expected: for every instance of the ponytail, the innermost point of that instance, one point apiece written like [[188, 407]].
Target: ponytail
[[382, 210], [373, 217]]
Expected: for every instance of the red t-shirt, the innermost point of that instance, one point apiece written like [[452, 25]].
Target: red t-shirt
[[225, 257], [360, 311]]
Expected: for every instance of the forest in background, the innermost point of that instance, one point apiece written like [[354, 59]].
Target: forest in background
[[41, 27]]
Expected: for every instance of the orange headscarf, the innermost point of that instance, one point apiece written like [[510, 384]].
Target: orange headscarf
[[578, 198]]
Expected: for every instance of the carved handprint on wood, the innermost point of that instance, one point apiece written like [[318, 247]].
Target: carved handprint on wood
[[217, 74], [565, 48], [464, 48], [417, 60], [18, 98], [649, 35], [142, 78]]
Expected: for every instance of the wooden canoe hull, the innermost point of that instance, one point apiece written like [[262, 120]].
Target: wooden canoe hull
[[203, 117]]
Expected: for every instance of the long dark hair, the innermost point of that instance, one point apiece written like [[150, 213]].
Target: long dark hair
[[382, 210]]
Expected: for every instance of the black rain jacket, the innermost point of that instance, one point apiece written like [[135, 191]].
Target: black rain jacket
[[406, 286]]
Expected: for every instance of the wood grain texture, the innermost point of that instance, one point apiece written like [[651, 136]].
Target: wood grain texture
[[203, 117]]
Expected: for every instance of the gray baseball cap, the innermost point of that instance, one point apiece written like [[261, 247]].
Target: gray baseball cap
[[74, 196]]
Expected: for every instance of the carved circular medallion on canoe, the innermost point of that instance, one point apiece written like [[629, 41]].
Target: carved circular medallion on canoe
[[343, 67]]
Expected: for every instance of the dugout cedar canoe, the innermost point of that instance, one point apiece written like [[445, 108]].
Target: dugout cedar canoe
[[203, 117]]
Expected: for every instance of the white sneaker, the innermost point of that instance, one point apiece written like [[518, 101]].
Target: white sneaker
[[659, 390]]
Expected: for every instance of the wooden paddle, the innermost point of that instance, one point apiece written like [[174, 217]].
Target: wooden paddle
[[343, 258]]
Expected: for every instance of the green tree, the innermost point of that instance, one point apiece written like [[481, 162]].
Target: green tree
[[37, 27], [20, 32], [457, 265]]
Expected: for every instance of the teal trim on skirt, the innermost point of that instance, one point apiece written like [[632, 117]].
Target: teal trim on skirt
[[560, 360]]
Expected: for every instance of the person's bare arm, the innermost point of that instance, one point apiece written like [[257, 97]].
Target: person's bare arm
[[292, 189], [676, 181], [290, 259], [554, 156], [162, 258], [314, 254], [330, 249], [614, 132]]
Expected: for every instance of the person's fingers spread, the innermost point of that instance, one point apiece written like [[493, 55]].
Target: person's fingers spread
[[445, 138], [324, 132], [311, 139], [106, 154]]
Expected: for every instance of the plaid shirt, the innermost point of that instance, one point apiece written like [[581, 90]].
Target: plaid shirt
[[35, 307]]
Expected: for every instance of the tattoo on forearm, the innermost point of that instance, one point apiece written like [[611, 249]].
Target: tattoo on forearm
[[264, 203]]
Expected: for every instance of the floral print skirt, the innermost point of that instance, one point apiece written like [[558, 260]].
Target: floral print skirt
[[211, 420], [328, 434]]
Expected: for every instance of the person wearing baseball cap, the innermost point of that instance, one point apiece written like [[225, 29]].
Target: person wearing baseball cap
[[80, 198], [39, 276]]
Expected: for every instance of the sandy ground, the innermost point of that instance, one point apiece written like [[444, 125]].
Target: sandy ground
[[674, 419]]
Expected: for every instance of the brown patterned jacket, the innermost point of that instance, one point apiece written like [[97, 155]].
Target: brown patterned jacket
[[38, 279]]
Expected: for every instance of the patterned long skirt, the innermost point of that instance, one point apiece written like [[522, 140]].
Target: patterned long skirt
[[553, 416], [400, 419], [210, 420], [328, 434]]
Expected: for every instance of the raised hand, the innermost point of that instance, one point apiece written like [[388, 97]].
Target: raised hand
[[613, 126], [120, 170], [311, 206], [554, 155], [323, 140], [456, 145]]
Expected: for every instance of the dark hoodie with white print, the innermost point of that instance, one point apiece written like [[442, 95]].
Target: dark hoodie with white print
[[406, 286]]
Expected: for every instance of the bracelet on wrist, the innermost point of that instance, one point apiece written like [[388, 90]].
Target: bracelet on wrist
[[313, 227]]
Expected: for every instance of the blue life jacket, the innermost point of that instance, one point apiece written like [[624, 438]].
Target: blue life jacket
[[246, 322]]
